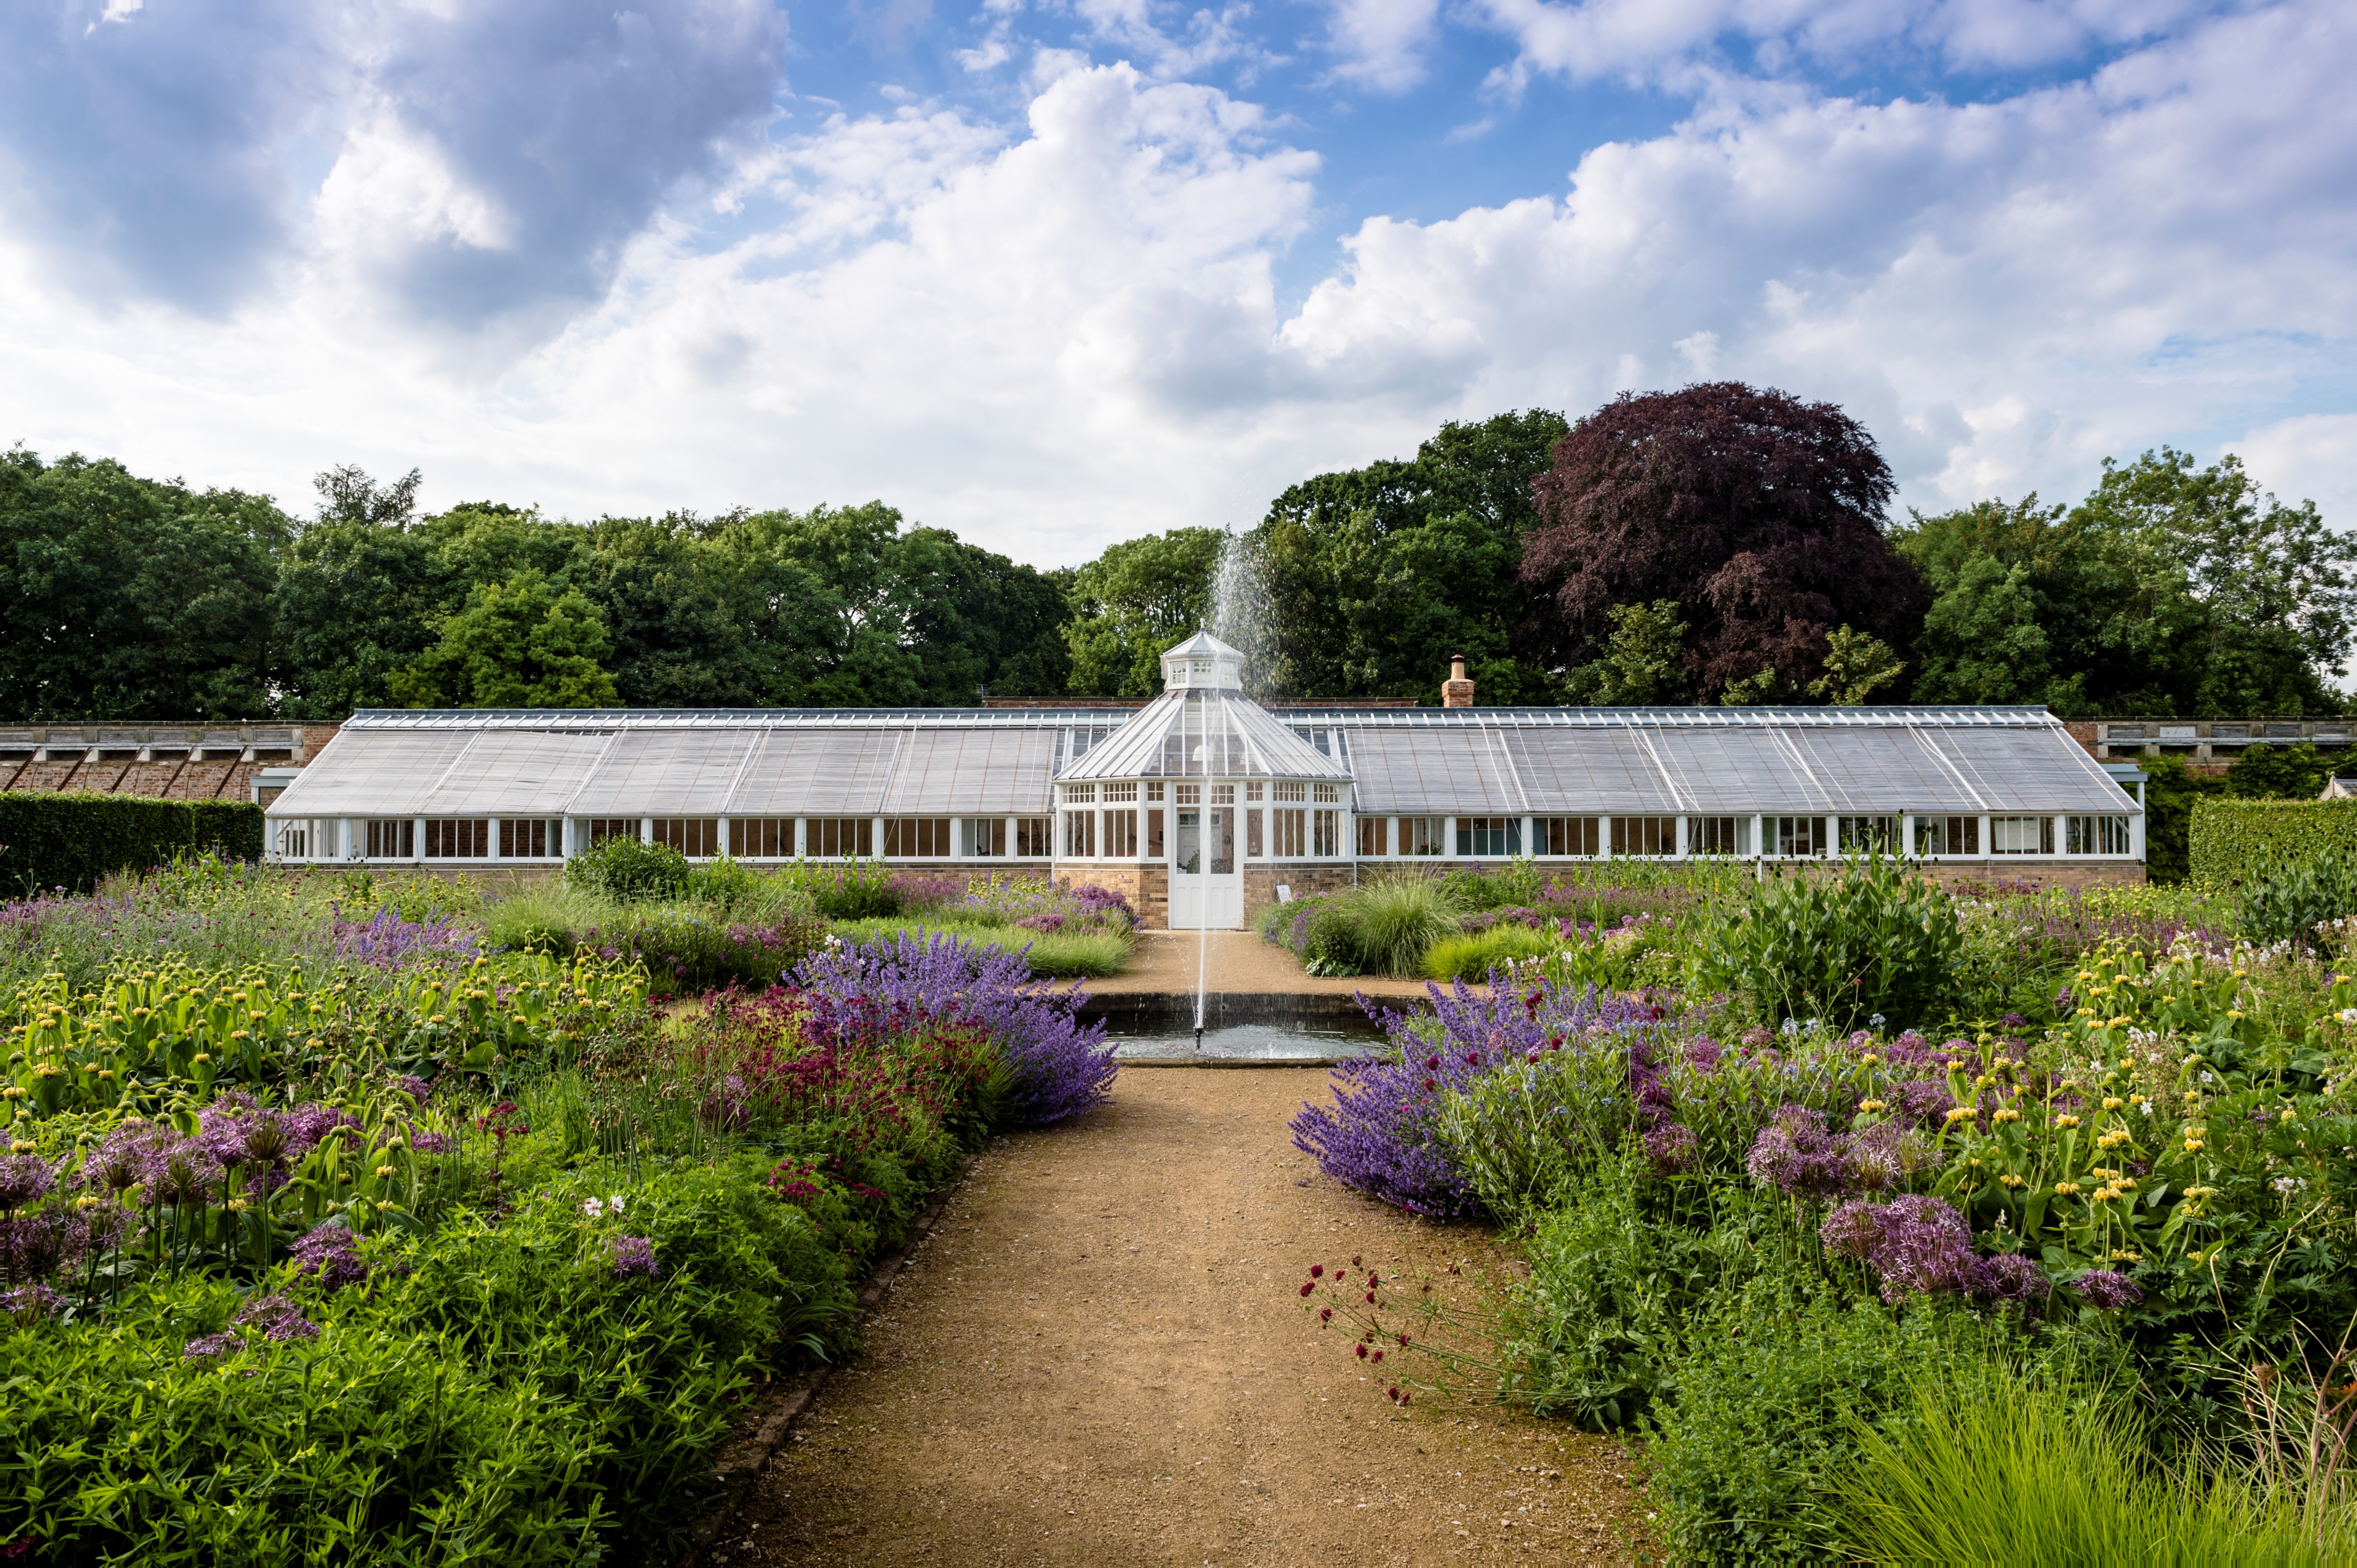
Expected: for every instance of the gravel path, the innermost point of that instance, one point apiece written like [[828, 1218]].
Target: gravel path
[[1100, 1356]]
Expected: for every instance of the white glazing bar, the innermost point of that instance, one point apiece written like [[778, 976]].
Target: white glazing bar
[[491, 850]]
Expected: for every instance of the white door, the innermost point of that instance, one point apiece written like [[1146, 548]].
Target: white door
[[1207, 894]]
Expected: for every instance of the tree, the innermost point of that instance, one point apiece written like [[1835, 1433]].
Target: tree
[[1856, 666], [1643, 662], [1759, 515], [347, 494], [1132, 602], [130, 598], [1375, 575], [517, 644]]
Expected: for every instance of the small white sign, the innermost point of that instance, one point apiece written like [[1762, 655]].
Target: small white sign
[[1283, 893]]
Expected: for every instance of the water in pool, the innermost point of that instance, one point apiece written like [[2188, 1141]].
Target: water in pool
[[1302, 1040]]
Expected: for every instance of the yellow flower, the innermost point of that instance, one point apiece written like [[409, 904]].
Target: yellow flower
[[384, 1170], [201, 1059], [2112, 1102], [2066, 1122], [2005, 1113], [2233, 1011], [2066, 1189], [1985, 1081], [2117, 1022], [2193, 1145], [238, 1206], [1869, 1106], [2009, 1179]]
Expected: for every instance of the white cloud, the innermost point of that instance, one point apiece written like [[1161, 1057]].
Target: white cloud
[[2309, 457], [1380, 43]]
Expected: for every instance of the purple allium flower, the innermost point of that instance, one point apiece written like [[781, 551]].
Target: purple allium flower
[[210, 1345], [2013, 1021], [417, 1089], [30, 1303], [2009, 1276], [1701, 1053], [333, 1253], [633, 1255], [279, 1319], [1854, 1229], [1925, 1247], [1670, 1147], [1923, 1100], [308, 1125], [2108, 1290], [1755, 1037], [1797, 1156], [24, 1179]]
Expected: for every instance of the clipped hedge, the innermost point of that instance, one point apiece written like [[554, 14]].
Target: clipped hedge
[[2230, 836], [72, 840]]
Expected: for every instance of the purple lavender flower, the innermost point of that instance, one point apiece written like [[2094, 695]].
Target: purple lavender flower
[[1382, 1136], [861, 992], [633, 1255], [333, 1253], [387, 940], [2108, 1290]]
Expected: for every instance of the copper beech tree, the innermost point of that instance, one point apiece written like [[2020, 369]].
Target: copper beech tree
[[1758, 516]]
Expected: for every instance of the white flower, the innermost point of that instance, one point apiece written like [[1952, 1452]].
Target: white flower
[[2288, 1184], [593, 1209], [2348, 1015], [1875, 1022], [616, 1203]]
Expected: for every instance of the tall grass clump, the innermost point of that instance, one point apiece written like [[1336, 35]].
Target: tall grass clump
[[1396, 920], [1473, 956]]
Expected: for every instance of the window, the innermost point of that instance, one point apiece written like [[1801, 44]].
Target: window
[[1861, 835], [1563, 836], [529, 839], [1328, 839], [1081, 834], [1288, 833], [600, 829], [916, 838], [1947, 835], [457, 838], [1121, 835], [1031, 837], [1424, 835], [1793, 836], [698, 838], [763, 838], [1488, 838], [1223, 794], [2021, 835], [1288, 790], [840, 838], [1644, 835], [391, 839], [983, 836], [1719, 835], [2096, 835], [1252, 836], [1375, 836], [1119, 792], [1188, 795], [1154, 791], [1255, 789], [1075, 794], [293, 841], [1326, 792]]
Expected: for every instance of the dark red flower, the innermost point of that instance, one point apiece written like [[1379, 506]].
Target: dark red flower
[[1317, 1270], [1393, 1391], [1362, 1352], [1371, 1298], [1325, 1313], [1378, 1355], [1308, 1288]]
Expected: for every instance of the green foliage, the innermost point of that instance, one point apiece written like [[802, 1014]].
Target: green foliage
[[517, 644], [74, 841], [1865, 940], [1857, 667], [1643, 662], [1052, 955], [2231, 839], [1330, 941], [627, 869], [2297, 772], [1989, 1466], [2170, 792], [2286, 897], [1474, 955]]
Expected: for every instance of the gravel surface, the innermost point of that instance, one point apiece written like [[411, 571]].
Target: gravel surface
[[1100, 1356]]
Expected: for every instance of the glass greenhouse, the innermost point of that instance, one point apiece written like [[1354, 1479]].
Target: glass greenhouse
[[1204, 804]]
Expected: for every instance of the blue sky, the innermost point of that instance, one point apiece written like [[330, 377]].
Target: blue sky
[[1054, 273]]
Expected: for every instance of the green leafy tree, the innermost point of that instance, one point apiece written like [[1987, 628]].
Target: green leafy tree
[[2170, 789], [1643, 662], [522, 643], [1857, 667], [1132, 602], [130, 598], [2296, 772], [1375, 576]]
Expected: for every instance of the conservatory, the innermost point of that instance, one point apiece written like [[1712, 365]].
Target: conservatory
[[1204, 805]]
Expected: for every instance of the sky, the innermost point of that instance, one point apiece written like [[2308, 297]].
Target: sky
[[1057, 273]]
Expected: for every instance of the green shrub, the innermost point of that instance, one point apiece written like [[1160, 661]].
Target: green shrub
[[71, 841], [2284, 899], [1867, 939], [547, 918], [1987, 1466], [1515, 883], [725, 883], [1473, 956], [2232, 839], [844, 889], [1771, 1388], [1396, 920], [626, 869]]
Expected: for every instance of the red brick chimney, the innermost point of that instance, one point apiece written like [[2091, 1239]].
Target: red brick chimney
[[1457, 692]]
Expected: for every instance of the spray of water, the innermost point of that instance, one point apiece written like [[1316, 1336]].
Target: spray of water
[[1242, 615]]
